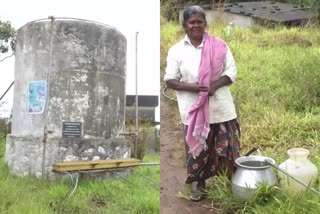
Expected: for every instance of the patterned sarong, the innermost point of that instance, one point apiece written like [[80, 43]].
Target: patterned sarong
[[223, 149]]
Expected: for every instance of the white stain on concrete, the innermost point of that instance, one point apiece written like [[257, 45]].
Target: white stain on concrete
[[96, 158], [101, 150], [71, 158]]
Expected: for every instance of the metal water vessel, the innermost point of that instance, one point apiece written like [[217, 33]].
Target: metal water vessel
[[251, 172]]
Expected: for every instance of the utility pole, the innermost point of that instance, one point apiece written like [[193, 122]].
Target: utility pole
[[137, 103]]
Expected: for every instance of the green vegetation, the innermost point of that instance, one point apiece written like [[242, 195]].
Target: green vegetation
[[267, 200], [148, 138], [7, 37], [277, 95], [30, 195]]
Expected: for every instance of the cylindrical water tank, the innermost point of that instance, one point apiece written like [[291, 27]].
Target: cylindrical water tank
[[67, 71], [83, 64]]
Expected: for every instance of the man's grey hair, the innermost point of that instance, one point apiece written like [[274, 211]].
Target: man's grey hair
[[187, 13]]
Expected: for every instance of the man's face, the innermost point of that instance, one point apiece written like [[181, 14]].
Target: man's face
[[195, 27]]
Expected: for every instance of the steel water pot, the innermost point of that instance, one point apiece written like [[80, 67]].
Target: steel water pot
[[251, 172]]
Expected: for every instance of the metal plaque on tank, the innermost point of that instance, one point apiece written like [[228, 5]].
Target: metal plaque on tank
[[71, 129]]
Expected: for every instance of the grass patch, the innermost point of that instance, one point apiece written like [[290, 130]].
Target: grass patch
[[31, 195]]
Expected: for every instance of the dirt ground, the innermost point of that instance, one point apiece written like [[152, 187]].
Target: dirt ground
[[172, 170]]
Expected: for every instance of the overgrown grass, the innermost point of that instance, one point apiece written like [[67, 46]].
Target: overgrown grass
[[277, 96], [30, 195], [266, 200]]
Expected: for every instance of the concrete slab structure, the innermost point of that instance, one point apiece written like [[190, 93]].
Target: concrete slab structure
[[245, 14], [146, 107], [69, 95]]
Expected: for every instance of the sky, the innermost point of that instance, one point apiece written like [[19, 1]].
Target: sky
[[128, 16]]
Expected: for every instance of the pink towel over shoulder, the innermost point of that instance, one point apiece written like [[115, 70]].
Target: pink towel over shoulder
[[212, 59]]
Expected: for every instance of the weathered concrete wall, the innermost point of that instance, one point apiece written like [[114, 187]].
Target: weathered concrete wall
[[26, 155], [216, 16], [84, 66]]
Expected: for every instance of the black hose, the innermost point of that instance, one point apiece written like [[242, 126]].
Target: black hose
[[251, 151]]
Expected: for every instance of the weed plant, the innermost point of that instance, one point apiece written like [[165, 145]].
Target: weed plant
[[277, 96]]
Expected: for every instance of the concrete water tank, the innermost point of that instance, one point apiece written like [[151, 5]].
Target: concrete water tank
[[69, 95]]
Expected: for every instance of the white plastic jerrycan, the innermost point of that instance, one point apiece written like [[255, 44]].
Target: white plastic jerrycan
[[300, 168]]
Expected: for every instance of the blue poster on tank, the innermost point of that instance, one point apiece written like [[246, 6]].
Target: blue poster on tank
[[37, 95]]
